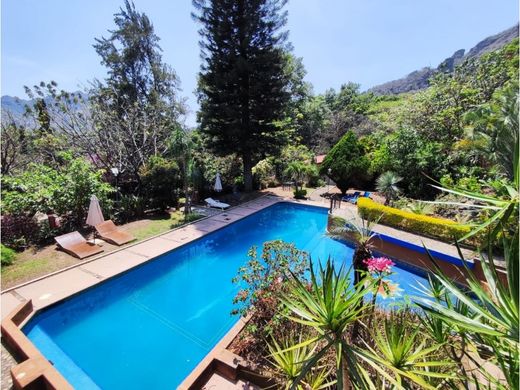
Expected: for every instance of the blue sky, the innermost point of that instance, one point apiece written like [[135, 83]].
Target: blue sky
[[365, 41]]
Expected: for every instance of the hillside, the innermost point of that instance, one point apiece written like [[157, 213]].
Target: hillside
[[419, 79], [14, 105]]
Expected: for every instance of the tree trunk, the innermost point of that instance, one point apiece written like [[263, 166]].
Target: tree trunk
[[347, 385], [248, 172], [361, 253], [187, 200]]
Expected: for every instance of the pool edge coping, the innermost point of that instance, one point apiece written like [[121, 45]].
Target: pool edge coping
[[125, 247], [196, 374], [25, 311]]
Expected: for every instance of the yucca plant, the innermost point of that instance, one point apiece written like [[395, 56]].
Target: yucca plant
[[439, 330], [487, 316], [386, 184], [418, 207], [361, 231], [329, 304], [401, 356], [290, 361]]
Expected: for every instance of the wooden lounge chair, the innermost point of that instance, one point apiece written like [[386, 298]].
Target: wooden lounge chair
[[76, 245], [109, 232]]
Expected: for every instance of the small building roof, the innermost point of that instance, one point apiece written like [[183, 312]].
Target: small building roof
[[319, 158]]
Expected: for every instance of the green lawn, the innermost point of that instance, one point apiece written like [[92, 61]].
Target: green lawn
[[160, 224], [36, 262]]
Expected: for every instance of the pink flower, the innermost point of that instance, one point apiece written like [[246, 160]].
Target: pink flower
[[379, 264]]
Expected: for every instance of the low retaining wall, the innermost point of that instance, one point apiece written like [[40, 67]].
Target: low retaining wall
[[34, 371], [222, 361], [418, 257]]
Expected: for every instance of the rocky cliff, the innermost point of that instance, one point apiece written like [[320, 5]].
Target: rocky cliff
[[419, 79]]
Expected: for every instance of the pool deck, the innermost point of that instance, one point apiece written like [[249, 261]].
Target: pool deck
[[54, 287], [59, 285]]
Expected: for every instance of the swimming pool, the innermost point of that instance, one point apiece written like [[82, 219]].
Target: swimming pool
[[149, 327]]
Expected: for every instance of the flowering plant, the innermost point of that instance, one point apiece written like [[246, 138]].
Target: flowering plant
[[380, 265]]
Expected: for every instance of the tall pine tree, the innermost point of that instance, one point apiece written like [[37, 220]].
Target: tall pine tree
[[243, 89]]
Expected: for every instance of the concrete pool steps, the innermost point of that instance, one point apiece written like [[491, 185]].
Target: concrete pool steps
[[34, 371]]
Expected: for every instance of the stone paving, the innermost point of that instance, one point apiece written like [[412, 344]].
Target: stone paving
[[7, 362], [218, 382]]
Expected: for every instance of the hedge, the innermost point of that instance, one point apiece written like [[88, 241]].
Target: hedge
[[7, 255], [440, 228]]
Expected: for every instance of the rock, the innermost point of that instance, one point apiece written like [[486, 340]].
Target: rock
[[419, 79]]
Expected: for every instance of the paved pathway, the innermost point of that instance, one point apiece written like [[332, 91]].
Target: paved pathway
[[7, 362], [54, 287]]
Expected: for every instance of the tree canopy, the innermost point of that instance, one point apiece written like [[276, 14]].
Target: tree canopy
[[243, 87], [347, 162], [135, 109]]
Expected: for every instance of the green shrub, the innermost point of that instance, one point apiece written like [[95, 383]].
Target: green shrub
[[440, 228], [346, 163], [160, 178], [65, 191], [130, 207], [192, 217], [314, 179], [19, 231], [264, 172], [300, 193], [272, 183], [7, 255]]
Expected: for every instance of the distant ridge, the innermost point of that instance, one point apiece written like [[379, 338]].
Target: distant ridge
[[16, 107], [419, 79], [13, 104]]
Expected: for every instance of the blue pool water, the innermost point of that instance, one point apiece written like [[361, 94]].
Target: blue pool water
[[149, 327]]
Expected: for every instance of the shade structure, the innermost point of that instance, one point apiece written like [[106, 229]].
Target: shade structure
[[218, 183], [95, 215]]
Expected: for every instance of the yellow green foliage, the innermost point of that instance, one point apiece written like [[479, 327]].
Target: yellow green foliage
[[443, 229]]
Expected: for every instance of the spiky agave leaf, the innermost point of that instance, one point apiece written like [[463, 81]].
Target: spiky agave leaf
[[329, 304], [490, 318]]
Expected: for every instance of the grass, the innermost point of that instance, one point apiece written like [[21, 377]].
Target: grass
[[36, 262], [27, 267], [161, 224]]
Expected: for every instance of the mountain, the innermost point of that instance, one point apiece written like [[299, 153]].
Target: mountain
[[14, 105], [419, 79]]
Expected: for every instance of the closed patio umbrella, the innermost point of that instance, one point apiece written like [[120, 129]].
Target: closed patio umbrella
[[95, 215], [218, 183]]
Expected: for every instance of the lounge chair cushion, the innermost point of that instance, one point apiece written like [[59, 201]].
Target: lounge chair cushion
[[216, 204], [109, 232], [76, 245]]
